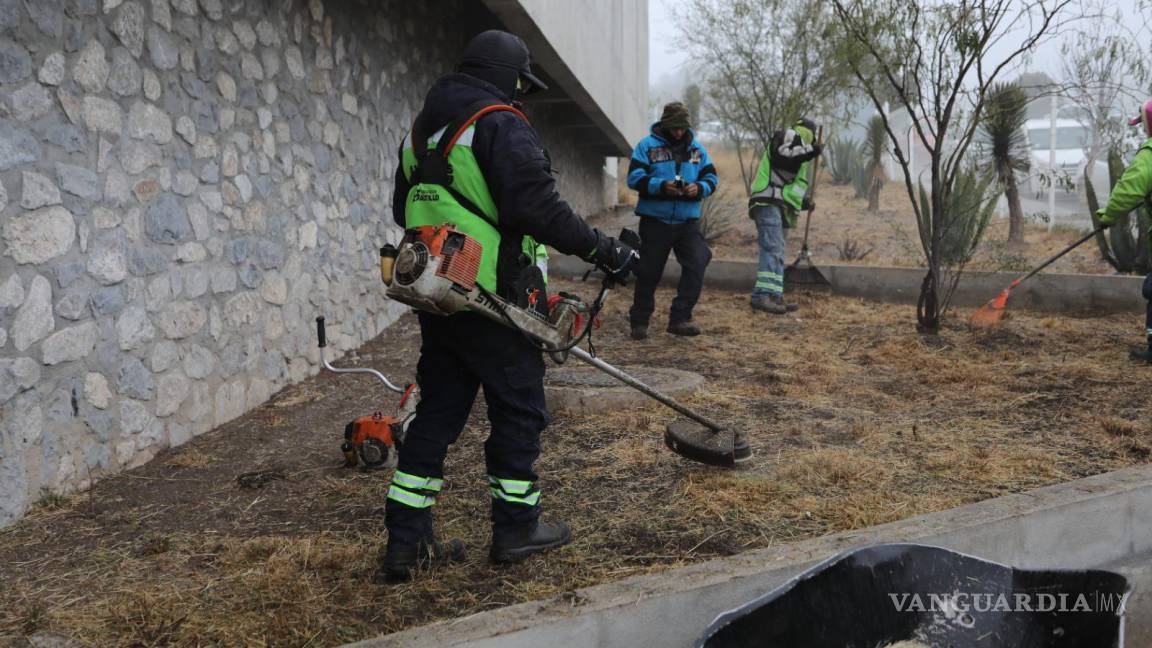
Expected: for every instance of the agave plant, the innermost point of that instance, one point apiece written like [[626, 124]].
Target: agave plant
[[1002, 128], [1125, 245], [843, 159], [716, 217]]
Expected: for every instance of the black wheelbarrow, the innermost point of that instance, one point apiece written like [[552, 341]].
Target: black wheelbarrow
[[883, 595]]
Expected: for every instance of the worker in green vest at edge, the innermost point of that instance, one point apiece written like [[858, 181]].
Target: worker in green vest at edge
[[1133, 189]]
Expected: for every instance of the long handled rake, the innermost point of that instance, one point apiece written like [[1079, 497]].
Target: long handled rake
[[803, 273], [990, 314]]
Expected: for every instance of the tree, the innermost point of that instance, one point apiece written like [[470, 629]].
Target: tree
[[768, 62], [1103, 69], [934, 59], [1007, 148], [692, 103]]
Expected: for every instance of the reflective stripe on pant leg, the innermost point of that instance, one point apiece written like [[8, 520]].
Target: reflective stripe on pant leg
[[770, 240], [413, 490], [771, 281], [514, 491]]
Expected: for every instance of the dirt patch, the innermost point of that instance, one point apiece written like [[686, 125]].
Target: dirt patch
[[254, 534]]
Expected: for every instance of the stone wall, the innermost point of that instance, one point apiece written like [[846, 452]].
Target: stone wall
[[579, 168], [184, 185]]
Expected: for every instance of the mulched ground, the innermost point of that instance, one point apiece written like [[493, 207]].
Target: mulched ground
[[255, 535]]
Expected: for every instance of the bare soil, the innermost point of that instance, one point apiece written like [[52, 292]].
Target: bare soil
[[255, 535]]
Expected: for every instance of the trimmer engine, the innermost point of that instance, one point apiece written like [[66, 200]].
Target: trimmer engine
[[435, 270]]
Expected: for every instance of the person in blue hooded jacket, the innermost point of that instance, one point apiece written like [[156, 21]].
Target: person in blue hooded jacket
[[672, 173]]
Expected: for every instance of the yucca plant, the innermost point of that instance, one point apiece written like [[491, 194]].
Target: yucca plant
[[875, 145], [843, 158], [1124, 245], [1006, 110]]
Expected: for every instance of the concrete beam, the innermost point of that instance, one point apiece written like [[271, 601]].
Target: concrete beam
[[608, 81], [1101, 521], [1060, 293]]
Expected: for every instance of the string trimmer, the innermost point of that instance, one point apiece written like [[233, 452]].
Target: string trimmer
[[371, 440], [434, 269], [803, 273], [990, 314]]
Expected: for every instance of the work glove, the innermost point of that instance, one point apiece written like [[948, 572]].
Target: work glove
[[615, 258], [807, 205], [1104, 221]]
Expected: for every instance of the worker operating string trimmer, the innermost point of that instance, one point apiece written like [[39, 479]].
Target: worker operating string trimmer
[[475, 194]]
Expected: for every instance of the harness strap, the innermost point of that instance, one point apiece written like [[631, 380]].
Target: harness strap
[[432, 164]]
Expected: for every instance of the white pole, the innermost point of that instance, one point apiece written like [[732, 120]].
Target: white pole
[[912, 152], [1052, 165]]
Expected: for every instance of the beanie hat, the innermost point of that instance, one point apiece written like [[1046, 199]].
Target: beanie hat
[[675, 116]]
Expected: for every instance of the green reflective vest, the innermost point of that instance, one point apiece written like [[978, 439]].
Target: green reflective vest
[[433, 204], [774, 184]]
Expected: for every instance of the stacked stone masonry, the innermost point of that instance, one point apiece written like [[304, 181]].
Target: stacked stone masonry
[[184, 186]]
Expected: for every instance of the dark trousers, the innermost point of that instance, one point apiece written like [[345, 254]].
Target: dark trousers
[[458, 355], [657, 239]]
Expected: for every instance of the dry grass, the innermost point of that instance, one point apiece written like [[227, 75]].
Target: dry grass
[[855, 420]]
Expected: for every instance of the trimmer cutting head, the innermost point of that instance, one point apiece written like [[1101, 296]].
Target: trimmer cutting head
[[722, 448]]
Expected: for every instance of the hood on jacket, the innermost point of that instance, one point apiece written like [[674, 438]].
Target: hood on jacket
[[454, 92], [656, 131]]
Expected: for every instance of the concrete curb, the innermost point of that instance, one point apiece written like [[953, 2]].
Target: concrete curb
[[1044, 292], [1105, 520]]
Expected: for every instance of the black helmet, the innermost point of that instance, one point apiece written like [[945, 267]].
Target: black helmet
[[500, 51]]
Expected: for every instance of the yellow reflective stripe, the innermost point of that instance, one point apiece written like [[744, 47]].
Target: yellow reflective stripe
[[407, 498], [511, 486], [770, 275], [415, 482], [530, 500]]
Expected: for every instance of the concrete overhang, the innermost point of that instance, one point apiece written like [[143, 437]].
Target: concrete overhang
[[593, 54]]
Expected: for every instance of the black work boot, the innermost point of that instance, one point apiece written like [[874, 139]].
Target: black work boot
[[401, 559], [768, 304], [639, 331], [788, 306], [511, 547], [687, 328]]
